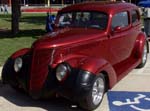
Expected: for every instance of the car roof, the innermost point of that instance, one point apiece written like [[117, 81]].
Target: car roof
[[107, 7]]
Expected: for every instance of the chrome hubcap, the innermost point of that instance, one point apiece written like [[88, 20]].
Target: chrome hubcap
[[98, 91], [144, 54]]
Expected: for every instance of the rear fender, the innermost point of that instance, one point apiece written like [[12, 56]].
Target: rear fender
[[139, 45], [20, 53]]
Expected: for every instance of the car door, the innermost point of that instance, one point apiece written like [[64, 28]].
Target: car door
[[121, 41]]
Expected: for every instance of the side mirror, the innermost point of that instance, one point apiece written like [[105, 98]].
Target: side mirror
[[117, 29]]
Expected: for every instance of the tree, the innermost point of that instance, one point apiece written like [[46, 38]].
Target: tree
[[15, 16]]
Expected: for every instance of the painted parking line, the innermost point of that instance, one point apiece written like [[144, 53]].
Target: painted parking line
[[129, 101]]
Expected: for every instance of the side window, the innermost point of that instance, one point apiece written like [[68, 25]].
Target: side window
[[82, 16], [135, 17], [120, 19], [65, 19]]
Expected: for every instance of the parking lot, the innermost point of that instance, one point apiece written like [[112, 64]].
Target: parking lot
[[136, 82]]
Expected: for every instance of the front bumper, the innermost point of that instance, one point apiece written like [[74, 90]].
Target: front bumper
[[76, 86]]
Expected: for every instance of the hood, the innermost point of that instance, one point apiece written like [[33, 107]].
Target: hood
[[67, 36]]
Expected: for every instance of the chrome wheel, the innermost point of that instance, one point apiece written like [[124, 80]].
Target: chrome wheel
[[98, 91], [144, 58], [95, 94]]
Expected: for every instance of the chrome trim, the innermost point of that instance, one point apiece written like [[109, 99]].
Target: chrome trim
[[144, 58], [52, 56]]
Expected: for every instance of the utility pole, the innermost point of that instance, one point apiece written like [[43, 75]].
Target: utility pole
[[62, 2], [48, 3], [73, 1], [24, 2], [9, 2]]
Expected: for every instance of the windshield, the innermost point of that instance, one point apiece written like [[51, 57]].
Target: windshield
[[83, 19]]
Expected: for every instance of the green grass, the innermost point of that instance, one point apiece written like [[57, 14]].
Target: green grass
[[32, 26]]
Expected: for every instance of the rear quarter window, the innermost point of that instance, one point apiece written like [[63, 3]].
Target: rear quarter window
[[135, 16], [120, 19]]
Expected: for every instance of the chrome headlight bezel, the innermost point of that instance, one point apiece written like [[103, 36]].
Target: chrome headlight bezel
[[18, 63], [62, 72]]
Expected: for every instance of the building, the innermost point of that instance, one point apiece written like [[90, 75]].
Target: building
[[5, 2], [43, 2]]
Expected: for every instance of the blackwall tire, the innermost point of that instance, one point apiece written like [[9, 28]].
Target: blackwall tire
[[7, 69], [95, 95], [144, 57]]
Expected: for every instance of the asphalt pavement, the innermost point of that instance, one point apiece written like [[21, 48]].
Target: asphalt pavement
[[136, 81]]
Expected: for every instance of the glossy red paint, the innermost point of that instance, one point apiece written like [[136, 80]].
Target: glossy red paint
[[115, 52], [41, 58], [91, 49], [20, 52]]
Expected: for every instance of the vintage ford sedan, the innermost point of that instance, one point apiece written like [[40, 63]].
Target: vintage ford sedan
[[92, 47]]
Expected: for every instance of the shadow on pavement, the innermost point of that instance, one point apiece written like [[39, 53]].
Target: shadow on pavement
[[34, 33], [23, 100], [29, 19], [34, 19]]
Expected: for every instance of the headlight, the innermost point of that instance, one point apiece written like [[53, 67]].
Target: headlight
[[61, 72], [18, 64]]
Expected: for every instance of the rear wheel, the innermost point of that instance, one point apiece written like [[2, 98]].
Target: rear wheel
[[144, 57], [95, 95]]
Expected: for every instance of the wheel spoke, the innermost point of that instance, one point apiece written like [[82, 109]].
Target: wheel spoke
[[98, 91], [144, 54]]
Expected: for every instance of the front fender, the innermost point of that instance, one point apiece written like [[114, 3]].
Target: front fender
[[96, 66], [20, 53]]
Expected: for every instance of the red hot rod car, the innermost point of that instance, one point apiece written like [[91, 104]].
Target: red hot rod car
[[92, 47]]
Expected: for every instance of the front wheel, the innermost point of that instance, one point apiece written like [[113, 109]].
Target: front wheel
[[95, 95], [8, 77], [144, 57]]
